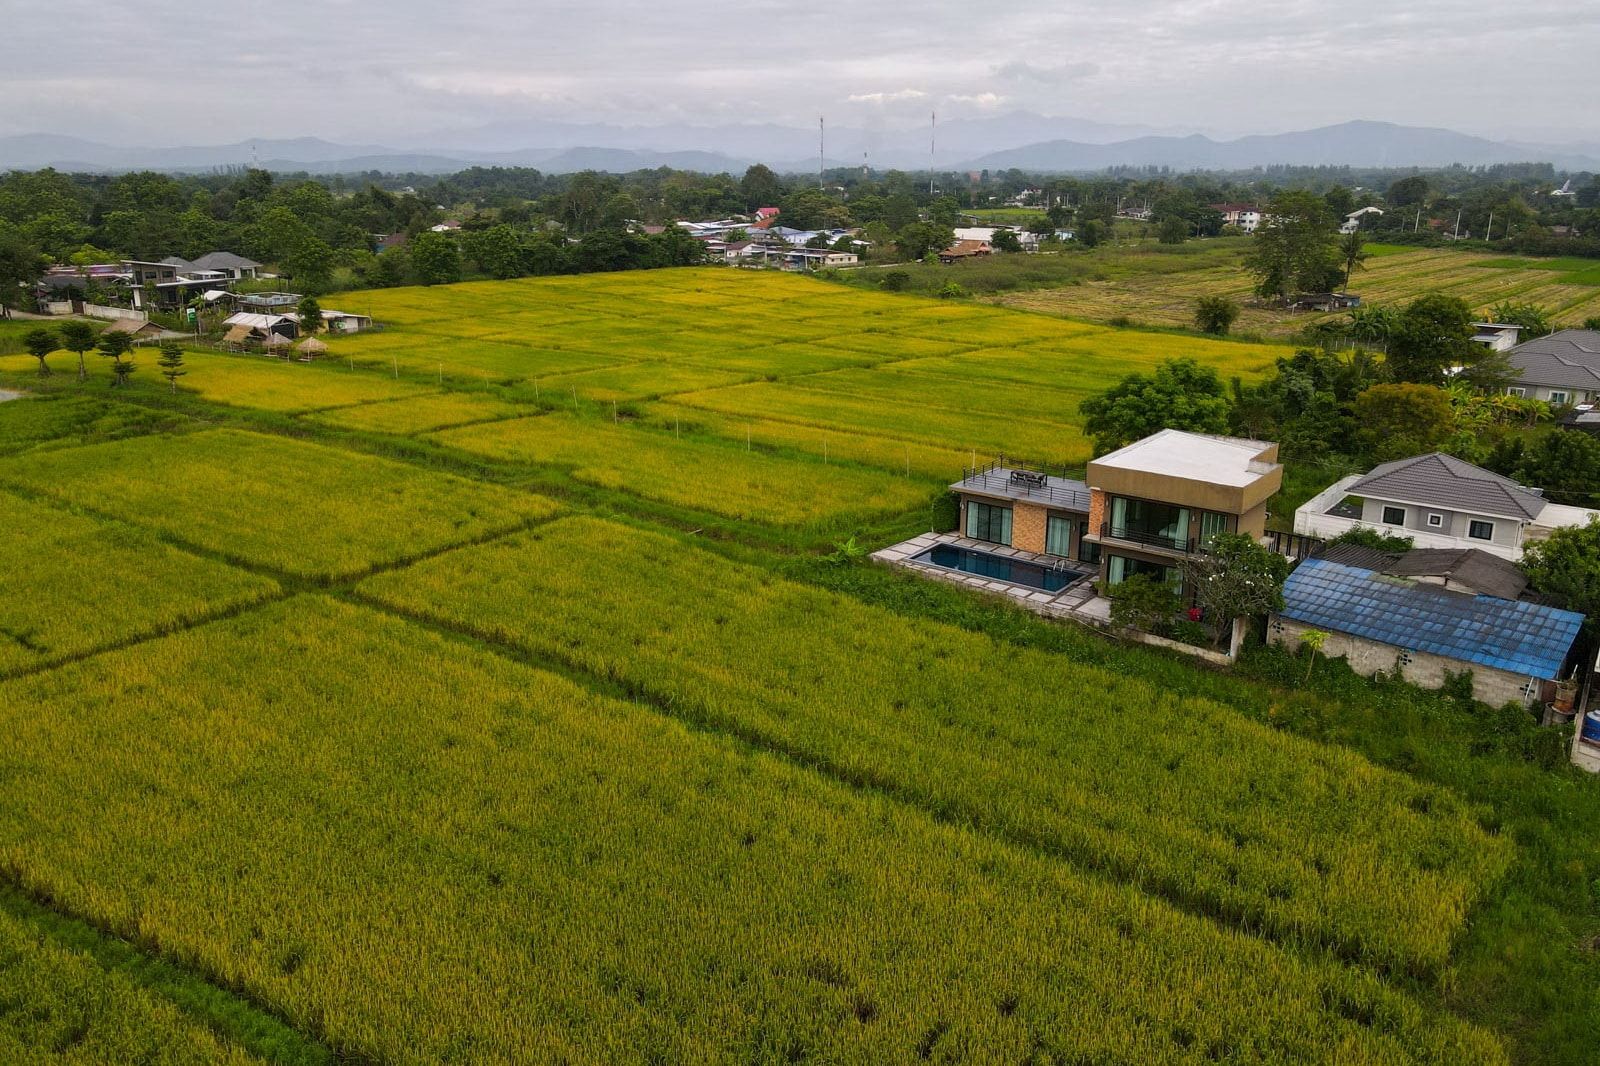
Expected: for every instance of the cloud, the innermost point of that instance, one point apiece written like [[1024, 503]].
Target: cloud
[[1019, 70], [899, 97], [983, 101]]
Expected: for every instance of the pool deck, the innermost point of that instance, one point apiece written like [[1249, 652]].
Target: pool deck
[[1078, 601]]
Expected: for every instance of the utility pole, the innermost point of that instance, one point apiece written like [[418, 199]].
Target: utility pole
[[1490, 228], [1458, 224], [933, 130]]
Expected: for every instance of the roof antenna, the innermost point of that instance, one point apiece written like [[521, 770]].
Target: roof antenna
[[933, 129]]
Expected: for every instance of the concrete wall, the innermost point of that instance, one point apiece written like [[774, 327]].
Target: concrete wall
[[1507, 531], [1367, 657]]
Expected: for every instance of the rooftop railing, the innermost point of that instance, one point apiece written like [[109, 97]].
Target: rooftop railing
[[1000, 479]]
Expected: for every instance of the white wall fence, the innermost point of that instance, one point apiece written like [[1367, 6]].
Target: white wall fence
[[64, 307]]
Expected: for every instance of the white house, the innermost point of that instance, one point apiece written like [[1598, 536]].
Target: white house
[[1353, 221], [1438, 501], [1246, 216]]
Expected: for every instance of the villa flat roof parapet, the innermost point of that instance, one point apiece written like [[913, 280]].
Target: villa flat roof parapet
[[1026, 486]]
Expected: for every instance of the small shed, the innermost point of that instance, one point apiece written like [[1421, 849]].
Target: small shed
[[310, 348]]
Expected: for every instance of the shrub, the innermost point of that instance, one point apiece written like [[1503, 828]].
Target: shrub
[[1215, 314], [1367, 537]]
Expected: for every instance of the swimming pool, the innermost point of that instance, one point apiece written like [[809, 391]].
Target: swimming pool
[[999, 567]]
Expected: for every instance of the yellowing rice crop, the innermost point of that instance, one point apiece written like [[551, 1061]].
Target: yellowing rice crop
[[428, 853], [1182, 796], [722, 478], [419, 414], [74, 583], [275, 502], [60, 1006]]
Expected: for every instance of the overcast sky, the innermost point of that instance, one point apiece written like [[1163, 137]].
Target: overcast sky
[[393, 72]]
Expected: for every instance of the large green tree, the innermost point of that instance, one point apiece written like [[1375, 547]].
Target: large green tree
[[1431, 343], [1181, 394], [435, 258], [1566, 565], [760, 187], [1404, 419], [1566, 465], [21, 264], [1295, 249]]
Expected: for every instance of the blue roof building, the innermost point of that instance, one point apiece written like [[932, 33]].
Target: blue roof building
[[1380, 621]]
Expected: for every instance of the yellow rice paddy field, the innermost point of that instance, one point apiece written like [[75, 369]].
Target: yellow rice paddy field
[[1570, 293], [472, 695]]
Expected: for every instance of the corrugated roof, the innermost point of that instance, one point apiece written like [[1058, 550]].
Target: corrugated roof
[[1568, 358], [1444, 481], [1521, 638]]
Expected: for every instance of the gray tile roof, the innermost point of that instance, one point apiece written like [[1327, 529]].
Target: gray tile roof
[[1441, 480], [1568, 358], [1472, 567], [224, 261], [1522, 638]]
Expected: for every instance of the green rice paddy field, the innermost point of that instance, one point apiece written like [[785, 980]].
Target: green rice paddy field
[[479, 694]]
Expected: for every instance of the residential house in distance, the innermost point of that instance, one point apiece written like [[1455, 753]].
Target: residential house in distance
[[1496, 336], [1246, 216], [235, 267], [985, 235], [170, 283], [1353, 221], [966, 250], [1430, 614], [1438, 501], [449, 225], [1560, 368]]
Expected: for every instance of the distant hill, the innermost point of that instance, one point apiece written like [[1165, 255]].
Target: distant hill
[[1379, 144], [1017, 140]]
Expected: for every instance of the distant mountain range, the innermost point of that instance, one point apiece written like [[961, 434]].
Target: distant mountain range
[[1020, 140]]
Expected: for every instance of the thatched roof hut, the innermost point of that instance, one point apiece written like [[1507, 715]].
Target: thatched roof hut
[[310, 348], [236, 335]]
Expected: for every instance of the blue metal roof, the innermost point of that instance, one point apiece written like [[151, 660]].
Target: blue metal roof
[[1521, 638]]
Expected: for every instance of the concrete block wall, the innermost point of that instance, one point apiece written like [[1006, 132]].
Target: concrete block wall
[[1367, 657]]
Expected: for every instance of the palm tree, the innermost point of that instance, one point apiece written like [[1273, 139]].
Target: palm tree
[[1352, 251]]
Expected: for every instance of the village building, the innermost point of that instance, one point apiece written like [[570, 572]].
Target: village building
[[1438, 501], [1560, 368], [1428, 615]]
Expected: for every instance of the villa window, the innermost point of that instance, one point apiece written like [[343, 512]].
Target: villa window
[[1212, 526], [985, 521], [1394, 516], [1436, 521], [1088, 550], [1058, 535], [1120, 568], [1516, 390], [1558, 398], [1480, 530], [1149, 522]]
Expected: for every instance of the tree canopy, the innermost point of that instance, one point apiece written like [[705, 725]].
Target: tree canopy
[[1180, 394]]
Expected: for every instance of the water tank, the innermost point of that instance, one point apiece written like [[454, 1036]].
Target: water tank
[[1591, 727]]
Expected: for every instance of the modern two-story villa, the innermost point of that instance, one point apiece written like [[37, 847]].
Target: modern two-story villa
[[1141, 510]]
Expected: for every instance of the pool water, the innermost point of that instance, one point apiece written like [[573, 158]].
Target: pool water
[[999, 567]]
